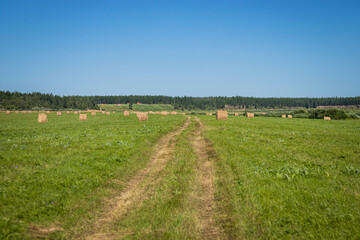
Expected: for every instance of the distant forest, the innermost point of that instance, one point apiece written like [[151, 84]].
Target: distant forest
[[37, 101]]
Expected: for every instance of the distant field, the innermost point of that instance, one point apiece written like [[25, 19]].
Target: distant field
[[178, 177], [137, 107], [287, 178]]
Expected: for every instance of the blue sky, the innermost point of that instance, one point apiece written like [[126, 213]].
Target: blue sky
[[176, 48]]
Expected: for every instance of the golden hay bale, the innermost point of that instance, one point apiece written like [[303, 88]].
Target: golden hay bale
[[28, 111], [23, 112], [164, 113], [183, 113], [76, 112], [103, 112], [289, 116], [108, 113], [58, 114], [7, 112], [126, 113], [173, 113], [47, 112], [93, 114], [221, 115], [142, 116], [67, 112], [236, 114], [250, 115], [327, 118], [151, 112], [113, 111], [283, 116], [83, 117], [42, 118], [16, 111]]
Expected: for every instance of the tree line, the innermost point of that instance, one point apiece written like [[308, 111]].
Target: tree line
[[38, 101]]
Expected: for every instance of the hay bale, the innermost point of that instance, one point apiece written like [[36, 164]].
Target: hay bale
[[93, 114], [289, 116], [113, 111], [173, 113], [327, 118], [183, 113], [103, 112], [58, 114], [42, 118], [221, 115], [28, 111], [126, 113], [16, 111], [83, 117], [7, 112], [76, 112], [236, 114], [209, 114], [142, 116], [23, 112], [283, 116], [164, 113], [67, 112], [108, 113], [250, 115], [47, 112]]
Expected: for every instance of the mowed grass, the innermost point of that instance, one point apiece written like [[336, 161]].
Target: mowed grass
[[57, 174], [287, 178]]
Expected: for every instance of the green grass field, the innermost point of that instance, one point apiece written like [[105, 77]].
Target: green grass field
[[274, 178], [52, 169], [288, 178]]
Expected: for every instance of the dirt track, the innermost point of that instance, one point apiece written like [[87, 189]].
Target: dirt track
[[205, 173], [138, 188]]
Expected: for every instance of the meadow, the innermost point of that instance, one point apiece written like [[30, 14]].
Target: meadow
[[274, 178], [60, 171], [287, 178]]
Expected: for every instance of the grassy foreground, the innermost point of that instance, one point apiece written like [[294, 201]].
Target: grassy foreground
[[287, 178], [59, 172]]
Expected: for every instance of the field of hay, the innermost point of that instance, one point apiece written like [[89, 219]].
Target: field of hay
[[115, 177], [287, 178], [59, 171]]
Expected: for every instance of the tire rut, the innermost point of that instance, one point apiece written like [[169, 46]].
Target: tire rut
[[138, 189], [205, 181]]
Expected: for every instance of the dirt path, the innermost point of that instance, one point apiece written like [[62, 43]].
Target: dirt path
[[138, 189], [205, 182]]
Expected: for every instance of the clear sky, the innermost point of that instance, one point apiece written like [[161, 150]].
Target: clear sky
[[289, 48]]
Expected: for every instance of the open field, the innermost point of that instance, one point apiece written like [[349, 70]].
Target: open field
[[137, 107], [287, 178], [178, 177], [58, 171]]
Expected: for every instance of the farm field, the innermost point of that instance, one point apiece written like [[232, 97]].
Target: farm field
[[137, 107], [178, 177], [287, 178], [58, 171]]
